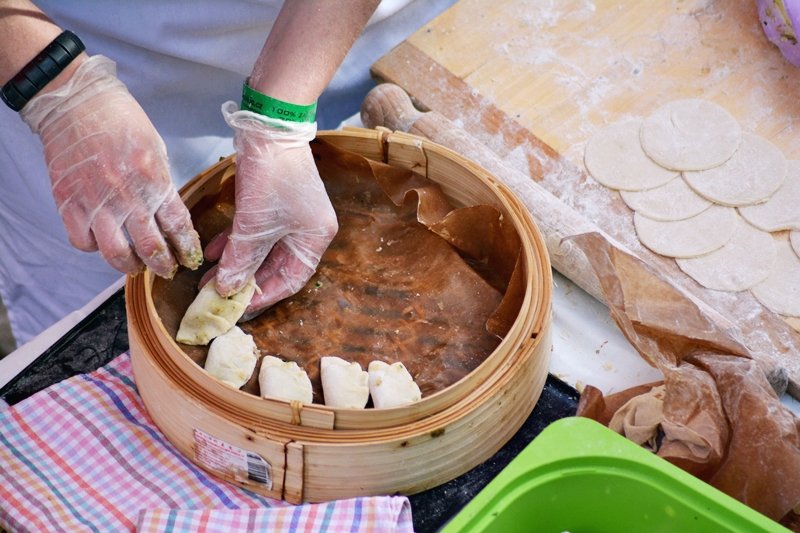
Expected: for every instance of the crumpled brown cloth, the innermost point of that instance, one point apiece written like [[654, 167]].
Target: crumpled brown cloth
[[715, 414]]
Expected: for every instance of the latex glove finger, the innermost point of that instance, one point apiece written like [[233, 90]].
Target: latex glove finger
[[79, 233], [282, 275], [213, 252], [71, 199], [233, 273], [208, 276], [149, 244], [175, 221], [113, 244], [216, 245]]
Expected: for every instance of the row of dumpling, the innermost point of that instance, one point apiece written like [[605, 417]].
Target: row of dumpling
[[232, 359]]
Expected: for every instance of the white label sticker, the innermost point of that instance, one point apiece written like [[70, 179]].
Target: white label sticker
[[243, 465]]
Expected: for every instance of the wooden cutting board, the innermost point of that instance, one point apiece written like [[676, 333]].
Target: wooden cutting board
[[534, 80], [554, 72]]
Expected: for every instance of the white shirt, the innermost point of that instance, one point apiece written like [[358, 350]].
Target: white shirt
[[181, 59]]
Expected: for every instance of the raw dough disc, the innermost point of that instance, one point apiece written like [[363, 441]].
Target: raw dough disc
[[689, 237], [672, 201], [751, 176], [690, 134], [742, 262], [614, 157], [794, 238], [780, 292], [781, 211]]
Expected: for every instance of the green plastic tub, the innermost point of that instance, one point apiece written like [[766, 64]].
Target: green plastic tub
[[579, 476]]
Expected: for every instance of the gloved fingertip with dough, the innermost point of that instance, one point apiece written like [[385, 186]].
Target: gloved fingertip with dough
[[109, 172]]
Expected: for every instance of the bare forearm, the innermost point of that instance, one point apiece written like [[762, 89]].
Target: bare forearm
[[306, 45], [25, 31]]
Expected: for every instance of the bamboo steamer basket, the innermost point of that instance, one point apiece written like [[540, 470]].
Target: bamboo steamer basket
[[311, 453]]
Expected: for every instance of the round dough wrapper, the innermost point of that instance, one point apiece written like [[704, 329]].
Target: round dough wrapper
[[741, 263], [689, 237], [672, 201], [614, 157], [690, 134], [751, 176], [794, 239], [781, 211], [780, 292]]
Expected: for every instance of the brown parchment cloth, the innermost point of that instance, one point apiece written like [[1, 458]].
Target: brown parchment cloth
[[715, 414], [407, 278]]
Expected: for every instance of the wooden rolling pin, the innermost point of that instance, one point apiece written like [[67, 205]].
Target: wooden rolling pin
[[388, 105]]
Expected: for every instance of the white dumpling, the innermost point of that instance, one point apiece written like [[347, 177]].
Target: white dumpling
[[211, 315], [392, 385], [232, 357], [344, 384], [284, 380]]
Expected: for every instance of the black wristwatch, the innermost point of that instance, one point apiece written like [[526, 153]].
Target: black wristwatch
[[41, 70]]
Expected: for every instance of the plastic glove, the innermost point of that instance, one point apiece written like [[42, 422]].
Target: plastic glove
[[109, 173], [284, 220]]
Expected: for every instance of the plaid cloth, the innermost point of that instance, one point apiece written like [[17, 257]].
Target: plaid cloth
[[83, 455]]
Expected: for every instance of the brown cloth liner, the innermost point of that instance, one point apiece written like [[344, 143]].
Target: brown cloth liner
[[715, 414], [407, 278]]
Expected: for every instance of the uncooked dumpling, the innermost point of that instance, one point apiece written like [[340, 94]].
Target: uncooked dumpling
[[344, 384], [780, 292], [690, 134], [751, 176], [745, 260], [614, 157], [392, 385], [672, 201], [211, 315], [782, 210], [232, 357], [284, 380], [690, 237]]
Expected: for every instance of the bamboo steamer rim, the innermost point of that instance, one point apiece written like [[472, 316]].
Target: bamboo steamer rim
[[318, 421], [298, 433]]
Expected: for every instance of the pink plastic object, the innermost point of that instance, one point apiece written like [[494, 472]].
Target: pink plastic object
[[780, 20]]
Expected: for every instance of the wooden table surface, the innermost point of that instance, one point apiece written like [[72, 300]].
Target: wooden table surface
[[560, 70]]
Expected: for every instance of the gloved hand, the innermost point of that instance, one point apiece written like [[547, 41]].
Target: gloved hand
[[284, 219], [109, 173]]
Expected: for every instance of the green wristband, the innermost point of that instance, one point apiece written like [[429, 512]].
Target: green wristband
[[262, 104]]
